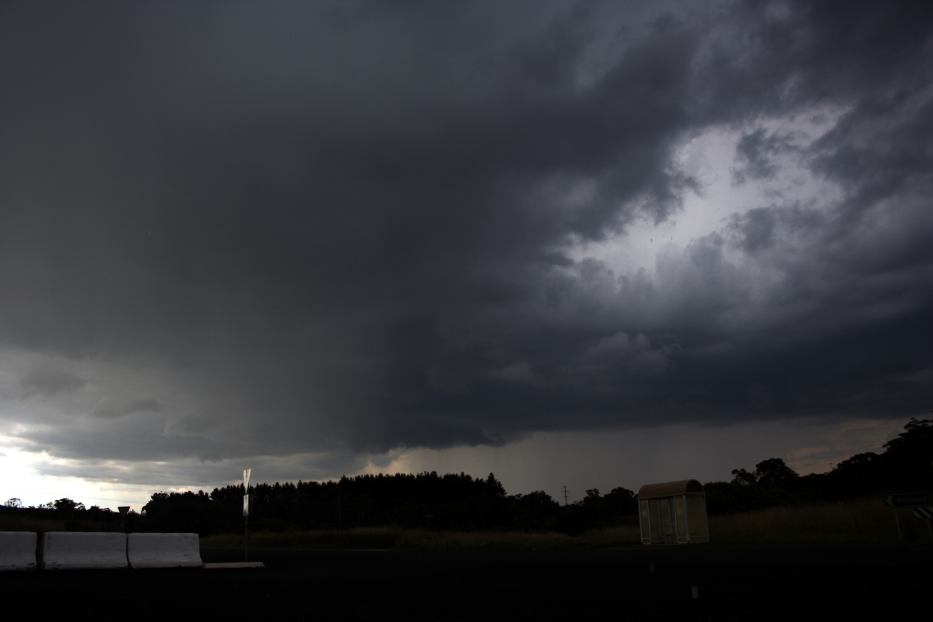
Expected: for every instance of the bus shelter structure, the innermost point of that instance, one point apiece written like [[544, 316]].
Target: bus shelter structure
[[673, 513]]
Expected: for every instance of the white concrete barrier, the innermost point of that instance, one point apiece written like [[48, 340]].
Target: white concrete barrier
[[164, 550], [17, 550], [83, 549]]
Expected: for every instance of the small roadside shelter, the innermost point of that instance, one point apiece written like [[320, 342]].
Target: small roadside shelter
[[673, 513]]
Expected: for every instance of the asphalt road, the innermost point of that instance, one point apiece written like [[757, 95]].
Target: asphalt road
[[693, 582]]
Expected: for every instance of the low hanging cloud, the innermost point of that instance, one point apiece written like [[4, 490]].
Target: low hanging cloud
[[113, 409], [757, 152], [46, 381], [340, 229]]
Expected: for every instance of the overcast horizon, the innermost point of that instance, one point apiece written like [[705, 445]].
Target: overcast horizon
[[591, 244]]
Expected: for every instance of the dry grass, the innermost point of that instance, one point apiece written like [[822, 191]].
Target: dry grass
[[395, 538], [27, 523], [864, 521], [612, 537], [425, 540], [367, 538], [483, 540], [859, 522]]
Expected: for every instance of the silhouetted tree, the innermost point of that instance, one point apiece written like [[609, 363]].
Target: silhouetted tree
[[908, 459], [67, 506], [621, 502], [773, 472], [536, 510], [459, 501], [741, 477], [856, 475]]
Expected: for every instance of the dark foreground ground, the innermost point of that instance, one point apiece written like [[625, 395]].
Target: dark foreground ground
[[626, 584]]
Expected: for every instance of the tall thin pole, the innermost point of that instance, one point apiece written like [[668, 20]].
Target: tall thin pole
[[246, 475], [565, 494]]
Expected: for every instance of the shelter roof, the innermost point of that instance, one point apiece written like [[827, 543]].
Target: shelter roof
[[670, 489]]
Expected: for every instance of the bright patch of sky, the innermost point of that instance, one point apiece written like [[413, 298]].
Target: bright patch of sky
[[22, 477], [710, 158]]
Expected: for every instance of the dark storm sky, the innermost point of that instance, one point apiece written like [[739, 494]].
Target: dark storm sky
[[342, 229]]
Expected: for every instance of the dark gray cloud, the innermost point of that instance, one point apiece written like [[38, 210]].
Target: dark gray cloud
[[45, 381], [347, 227], [112, 409], [756, 152]]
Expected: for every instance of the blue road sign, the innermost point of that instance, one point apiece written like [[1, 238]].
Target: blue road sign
[[909, 499]]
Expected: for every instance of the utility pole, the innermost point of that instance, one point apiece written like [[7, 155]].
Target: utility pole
[[565, 494]]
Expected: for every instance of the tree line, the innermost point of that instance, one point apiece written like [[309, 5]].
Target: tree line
[[904, 464], [461, 502], [420, 501]]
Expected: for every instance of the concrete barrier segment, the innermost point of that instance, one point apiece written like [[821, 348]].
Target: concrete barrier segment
[[164, 550], [17, 550], [63, 550]]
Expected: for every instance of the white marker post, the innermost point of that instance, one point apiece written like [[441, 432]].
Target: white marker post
[[246, 475]]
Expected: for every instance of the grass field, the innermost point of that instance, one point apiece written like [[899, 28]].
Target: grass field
[[860, 522], [864, 521], [749, 582], [830, 562], [26, 523], [395, 538]]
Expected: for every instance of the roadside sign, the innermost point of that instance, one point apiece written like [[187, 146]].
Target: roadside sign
[[246, 475], [909, 499], [924, 512]]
